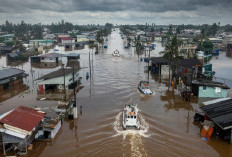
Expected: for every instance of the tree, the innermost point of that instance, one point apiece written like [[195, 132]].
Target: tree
[[169, 33], [172, 54], [178, 30]]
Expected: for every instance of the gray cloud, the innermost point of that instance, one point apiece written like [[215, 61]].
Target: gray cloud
[[117, 11], [107, 5]]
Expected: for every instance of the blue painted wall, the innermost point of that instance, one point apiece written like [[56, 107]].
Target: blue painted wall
[[210, 92]]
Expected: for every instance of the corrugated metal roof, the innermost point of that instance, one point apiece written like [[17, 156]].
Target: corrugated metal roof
[[159, 60], [220, 112], [13, 54], [52, 55], [209, 83], [57, 73], [66, 38], [24, 118], [8, 72], [72, 55], [186, 63]]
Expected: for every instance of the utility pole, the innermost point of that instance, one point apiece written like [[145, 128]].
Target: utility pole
[[149, 57], [64, 82], [74, 96]]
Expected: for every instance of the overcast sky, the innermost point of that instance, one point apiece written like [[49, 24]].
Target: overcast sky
[[117, 11]]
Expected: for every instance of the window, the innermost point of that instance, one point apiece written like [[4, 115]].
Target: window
[[217, 90], [204, 87]]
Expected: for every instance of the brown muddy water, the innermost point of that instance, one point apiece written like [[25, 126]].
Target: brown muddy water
[[167, 127]]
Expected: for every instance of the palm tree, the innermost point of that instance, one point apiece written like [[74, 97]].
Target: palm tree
[[172, 54]]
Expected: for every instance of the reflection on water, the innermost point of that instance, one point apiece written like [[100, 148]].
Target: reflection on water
[[14, 91]]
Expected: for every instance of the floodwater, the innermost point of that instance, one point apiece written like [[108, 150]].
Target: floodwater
[[167, 127]]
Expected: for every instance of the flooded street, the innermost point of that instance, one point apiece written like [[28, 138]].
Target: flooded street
[[167, 127]]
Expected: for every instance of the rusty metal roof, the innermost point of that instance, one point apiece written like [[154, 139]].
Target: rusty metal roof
[[24, 118]]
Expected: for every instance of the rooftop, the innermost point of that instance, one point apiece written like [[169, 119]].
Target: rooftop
[[210, 83], [9, 72], [57, 73], [187, 63], [24, 118], [220, 112]]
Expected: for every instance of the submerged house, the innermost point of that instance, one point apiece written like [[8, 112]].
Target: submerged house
[[219, 111], [57, 83], [19, 127], [160, 65], [5, 50], [11, 78], [48, 60], [209, 89]]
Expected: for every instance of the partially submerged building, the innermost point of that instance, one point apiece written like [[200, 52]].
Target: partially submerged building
[[55, 85], [11, 78], [209, 89], [49, 60], [219, 111], [6, 49], [19, 127]]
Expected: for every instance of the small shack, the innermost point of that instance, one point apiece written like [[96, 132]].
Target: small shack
[[209, 89], [220, 112]]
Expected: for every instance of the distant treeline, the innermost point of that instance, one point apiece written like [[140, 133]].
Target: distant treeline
[[25, 32]]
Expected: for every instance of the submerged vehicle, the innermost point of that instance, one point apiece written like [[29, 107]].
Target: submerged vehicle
[[130, 117], [116, 53], [143, 87]]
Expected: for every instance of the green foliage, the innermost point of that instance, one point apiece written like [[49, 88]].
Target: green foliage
[[170, 33], [228, 28], [206, 46], [1, 40]]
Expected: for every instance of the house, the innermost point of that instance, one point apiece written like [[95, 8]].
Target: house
[[7, 37], [11, 78], [73, 60], [6, 49], [59, 36], [82, 38], [15, 56], [38, 43], [58, 83], [80, 45], [209, 89], [229, 50], [161, 65], [48, 129], [19, 127], [219, 111], [47, 58], [188, 50]]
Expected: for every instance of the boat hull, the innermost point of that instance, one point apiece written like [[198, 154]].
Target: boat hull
[[145, 92]]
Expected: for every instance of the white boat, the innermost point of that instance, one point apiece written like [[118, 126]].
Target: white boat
[[116, 53], [143, 87], [130, 117]]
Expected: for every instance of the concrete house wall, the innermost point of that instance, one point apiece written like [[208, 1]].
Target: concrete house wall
[[212, 92]]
